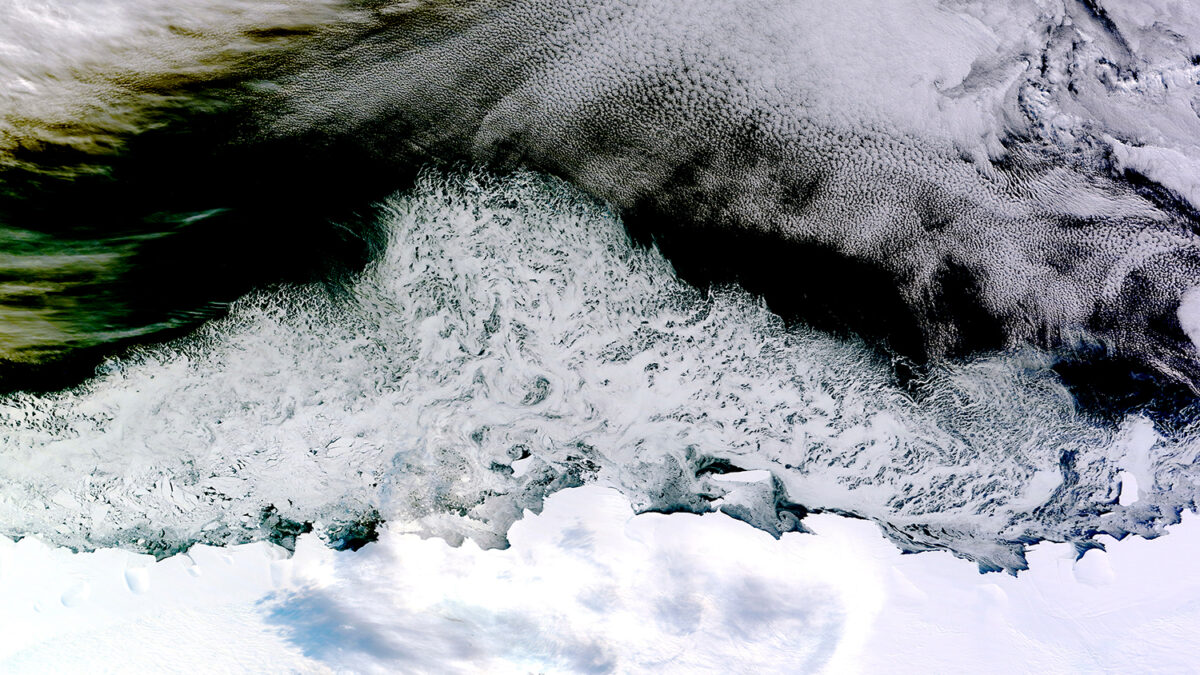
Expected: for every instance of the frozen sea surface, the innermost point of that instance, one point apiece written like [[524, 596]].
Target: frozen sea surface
[[510, 341]]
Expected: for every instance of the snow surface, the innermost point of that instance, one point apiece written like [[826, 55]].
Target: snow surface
[[589, 587]]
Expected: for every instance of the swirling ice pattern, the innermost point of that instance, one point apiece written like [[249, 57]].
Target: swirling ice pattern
[[509, 341]]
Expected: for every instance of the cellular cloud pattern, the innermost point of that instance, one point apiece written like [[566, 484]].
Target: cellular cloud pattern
[[904, 139], [995, 174]]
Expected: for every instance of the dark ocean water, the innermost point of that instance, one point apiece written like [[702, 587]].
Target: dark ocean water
[[149, 242]]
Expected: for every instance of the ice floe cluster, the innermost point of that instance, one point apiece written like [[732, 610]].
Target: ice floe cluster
[[511, 341]]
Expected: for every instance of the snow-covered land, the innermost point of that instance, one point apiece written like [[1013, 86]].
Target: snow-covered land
[[589, 587]]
